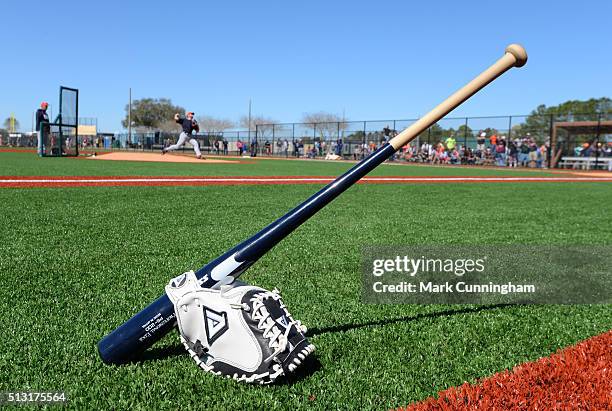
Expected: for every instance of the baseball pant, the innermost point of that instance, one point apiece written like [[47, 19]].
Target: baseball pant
[[182, 138], [40, 143]]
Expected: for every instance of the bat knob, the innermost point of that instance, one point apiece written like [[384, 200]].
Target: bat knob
[[519, 54]]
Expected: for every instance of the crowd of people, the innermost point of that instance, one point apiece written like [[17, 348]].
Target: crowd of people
[[293, 148], [489, 150]]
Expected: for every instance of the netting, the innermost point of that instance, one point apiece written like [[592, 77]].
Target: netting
[[69, 99], [51, 138], [59, 140], [69, 140]]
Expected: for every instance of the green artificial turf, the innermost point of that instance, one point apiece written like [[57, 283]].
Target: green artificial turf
[[77, 262], [27, 163]]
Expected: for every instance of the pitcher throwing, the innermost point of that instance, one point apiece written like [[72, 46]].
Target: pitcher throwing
[[189, 124]]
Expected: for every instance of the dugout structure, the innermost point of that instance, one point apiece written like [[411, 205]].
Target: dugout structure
[[573, 131], [61, 138]]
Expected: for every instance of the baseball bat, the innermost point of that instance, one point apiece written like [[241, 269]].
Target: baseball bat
[[156, 320]]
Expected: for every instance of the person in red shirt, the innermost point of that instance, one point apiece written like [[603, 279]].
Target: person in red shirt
[[493, 141]]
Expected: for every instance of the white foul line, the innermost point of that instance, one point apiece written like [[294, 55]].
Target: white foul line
[[297, 180]]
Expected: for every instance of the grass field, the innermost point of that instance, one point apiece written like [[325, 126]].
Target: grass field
[[77, 262]]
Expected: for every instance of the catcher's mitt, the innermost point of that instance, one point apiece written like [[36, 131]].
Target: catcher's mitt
[[240, 331]]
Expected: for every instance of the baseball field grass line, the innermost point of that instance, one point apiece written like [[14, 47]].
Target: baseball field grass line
[[26, 164], [576, 377], [85, 181], [77, 262]]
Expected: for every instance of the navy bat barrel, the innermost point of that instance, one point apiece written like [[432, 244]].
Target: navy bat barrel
[[156, 320], [139, 332]]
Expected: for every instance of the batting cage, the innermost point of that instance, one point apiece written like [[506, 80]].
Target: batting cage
[[60, 138]]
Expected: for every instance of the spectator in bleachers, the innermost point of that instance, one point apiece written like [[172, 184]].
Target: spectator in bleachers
[[426, 148], [454, 156], [532, 154], [357, 152], [339, 146], [285, 148], [523, 156], [387, 135], [295, 148], [480, 141], [541, 154], [451, 143], [577, 150], [500, 152], [493, 141], [512, 154], [439, 155], [240, 147], [585, 150], [406, 152], [488, 158], [469, 157], [312, 153], [268, 147]]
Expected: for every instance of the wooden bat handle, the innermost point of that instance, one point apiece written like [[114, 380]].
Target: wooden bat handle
[[515, 56]]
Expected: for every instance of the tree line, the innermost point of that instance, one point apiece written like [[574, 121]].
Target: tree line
[[157, 114]]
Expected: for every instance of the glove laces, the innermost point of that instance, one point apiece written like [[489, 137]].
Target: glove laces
[[277, 339]]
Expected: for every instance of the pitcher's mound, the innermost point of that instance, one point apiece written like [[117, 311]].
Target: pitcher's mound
[[157, 157]]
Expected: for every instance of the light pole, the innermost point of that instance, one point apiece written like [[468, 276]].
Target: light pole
[[130, 119], [249, 121]]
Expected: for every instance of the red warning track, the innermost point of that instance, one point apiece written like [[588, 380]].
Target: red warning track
[[85, 181], [575, 378]]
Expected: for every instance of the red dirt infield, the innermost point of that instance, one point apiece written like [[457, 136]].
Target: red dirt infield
[[157, 158], [574, 378], [89, 181]]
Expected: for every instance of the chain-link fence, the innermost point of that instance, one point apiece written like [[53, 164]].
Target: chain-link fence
[[552, 135], [87, 131], [555, 136]]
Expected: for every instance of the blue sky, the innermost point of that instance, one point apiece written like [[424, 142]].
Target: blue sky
[[374, 60]]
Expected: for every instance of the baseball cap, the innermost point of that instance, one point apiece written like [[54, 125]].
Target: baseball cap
[[44, 104], [483, 134], [190, 112]]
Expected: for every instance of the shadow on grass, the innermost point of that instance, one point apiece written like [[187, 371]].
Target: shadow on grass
[[410, 318], [159, 354], [312, 364]]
